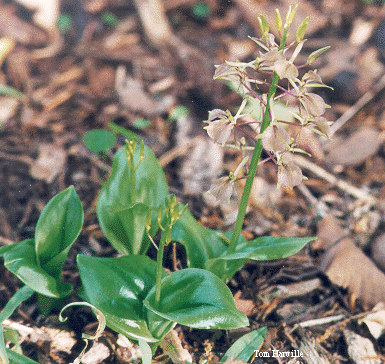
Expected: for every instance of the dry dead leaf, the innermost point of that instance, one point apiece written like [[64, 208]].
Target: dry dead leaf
[[375, 321], [8, 107], [201, 167], [360, 349], [329, 231], [20, 31], [245, 306], [356, 148], [46, 11], [49, 164], [133, 96], [366, 284], [378, 252]]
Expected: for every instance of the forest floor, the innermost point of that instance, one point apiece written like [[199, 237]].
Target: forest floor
[[322, 301]]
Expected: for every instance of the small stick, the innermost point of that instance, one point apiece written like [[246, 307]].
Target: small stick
[[177, 151], [322, 321], [354, 109], [343, 185]]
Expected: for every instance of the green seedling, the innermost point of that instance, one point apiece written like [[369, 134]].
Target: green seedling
[[38, 262]]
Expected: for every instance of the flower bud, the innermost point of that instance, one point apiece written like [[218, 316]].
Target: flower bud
[[301, 30], [278, 20], [314, 55], [263, 26], [290, 16]]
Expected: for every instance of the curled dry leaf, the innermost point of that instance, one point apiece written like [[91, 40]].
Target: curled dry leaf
[[378, 252], [356, 148], [375, 321], [49, 164], [340, 263], [360, 349]]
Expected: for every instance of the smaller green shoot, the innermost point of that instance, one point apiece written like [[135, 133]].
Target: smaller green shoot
[[177, 112], [141, 123], [99, 140], [110, 19]]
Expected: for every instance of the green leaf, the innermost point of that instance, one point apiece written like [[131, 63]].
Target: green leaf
[[6, 90], [196, 298], [203, 245], [244, 347], [19, 297], [267, 248], [116, 129], [58, 227], [3, 351], [115, 200], [21, 261], [141, 123], [117, 287], [99, 140], [16, 358]]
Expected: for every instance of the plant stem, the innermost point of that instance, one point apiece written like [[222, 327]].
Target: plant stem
[[255, 159], [159, 262]]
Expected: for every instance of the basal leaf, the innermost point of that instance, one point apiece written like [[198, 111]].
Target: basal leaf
[[58, 227], [21, 261], [267, 248], [196, 298], [117, 287], [204, 245], [201, 243], [245, 346], [115, 197]]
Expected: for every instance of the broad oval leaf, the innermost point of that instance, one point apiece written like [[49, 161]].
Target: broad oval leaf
[[58, 227], [201, 243], [117, 287], [99, 140], [196, 298], [267, 248], [21, 261], [115, 197]]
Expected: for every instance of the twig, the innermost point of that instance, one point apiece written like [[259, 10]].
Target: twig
[[368, 96], [343, 185], [177, 151], [322, 321], [154, 21]]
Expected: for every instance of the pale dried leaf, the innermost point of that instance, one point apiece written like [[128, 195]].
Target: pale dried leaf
[[245, 306], [356, 148], [375, 321], [366, 284], [8, 107], [46, 11], [329, 231], [378, 252], [133, 96], [98, 354], [201, 167], [49, 164], [360, 349]]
